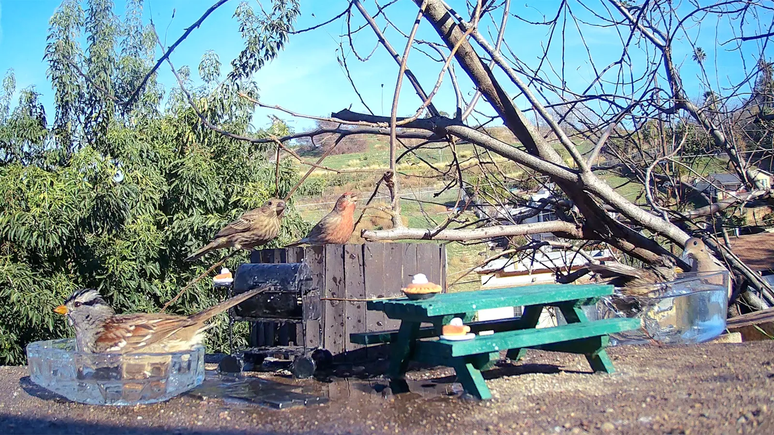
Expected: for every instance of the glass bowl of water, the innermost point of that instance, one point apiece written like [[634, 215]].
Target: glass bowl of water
[[690, 309], [113, 379]]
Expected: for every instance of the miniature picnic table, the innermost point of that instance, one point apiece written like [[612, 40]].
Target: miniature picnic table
[[468, 358]]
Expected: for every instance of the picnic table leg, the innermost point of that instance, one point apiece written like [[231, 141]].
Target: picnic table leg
[[529, 320], [471, 379], [401, 352], [596, 354]]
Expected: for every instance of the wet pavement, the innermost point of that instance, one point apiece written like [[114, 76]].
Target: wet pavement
[[703, 389]]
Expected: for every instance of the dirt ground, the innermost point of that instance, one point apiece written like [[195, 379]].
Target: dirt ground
[[703, 389]]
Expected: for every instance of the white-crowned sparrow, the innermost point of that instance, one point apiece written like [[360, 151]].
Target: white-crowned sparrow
[[98, 329], [254, 228]]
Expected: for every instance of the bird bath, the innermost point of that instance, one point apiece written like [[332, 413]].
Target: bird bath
[[690, 309], [113, 379]]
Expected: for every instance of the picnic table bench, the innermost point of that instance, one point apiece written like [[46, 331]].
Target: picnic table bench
[[414, 342]]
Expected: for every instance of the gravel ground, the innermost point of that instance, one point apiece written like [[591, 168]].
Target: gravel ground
[[703, 389]]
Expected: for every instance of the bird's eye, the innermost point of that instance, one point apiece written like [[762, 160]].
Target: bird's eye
[[271, 203], [77, 304]]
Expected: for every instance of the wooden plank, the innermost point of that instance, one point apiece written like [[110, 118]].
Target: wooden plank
[[392, 263], [373, 262], [471, 380], [295, 254], [402, 350], [444, 283], [410, 267], [354, 283], [429, 261], [334, 324], [393, 270], [313, 315], [597, 357], [466, 302], [381, 337], [525, 338]]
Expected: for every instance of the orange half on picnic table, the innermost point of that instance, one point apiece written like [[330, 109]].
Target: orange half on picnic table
[[421, 288], [455, 327], [456, 331]]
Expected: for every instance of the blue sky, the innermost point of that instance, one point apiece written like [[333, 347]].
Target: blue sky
[[307, 77]]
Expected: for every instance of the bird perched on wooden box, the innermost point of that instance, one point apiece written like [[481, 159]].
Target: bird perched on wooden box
[[254, 228], [336, 227], [98, 329]]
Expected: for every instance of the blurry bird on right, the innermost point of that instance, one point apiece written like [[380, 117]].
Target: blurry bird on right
[[336, 227], [696, 250], [703, 261]]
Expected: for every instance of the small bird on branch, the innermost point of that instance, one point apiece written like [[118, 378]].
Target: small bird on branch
[[254, 228], [336, 227]]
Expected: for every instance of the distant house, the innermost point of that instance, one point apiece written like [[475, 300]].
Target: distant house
[[760, 178], [718, 186], [722, 185], [538, 268]]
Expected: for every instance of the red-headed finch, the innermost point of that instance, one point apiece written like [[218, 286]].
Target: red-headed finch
[[254, 228], [336, 226]]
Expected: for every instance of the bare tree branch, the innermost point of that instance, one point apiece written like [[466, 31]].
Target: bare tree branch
[[566, 229]]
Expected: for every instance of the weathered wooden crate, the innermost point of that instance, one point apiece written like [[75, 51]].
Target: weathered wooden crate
[[358, 272]]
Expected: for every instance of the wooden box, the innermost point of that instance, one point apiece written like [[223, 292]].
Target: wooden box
[[343, 278]]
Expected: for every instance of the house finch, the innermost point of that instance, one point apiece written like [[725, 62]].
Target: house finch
[[336, 226], [254, 228]]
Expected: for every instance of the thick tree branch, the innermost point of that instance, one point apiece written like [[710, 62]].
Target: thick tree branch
[[564, 229]]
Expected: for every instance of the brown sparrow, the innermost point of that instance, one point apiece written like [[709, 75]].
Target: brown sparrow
[[254, 228], [98, 329]]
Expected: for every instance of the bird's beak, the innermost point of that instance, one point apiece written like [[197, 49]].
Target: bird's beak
[[353, 197], [61, 310]]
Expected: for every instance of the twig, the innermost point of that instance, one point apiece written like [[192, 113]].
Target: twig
[[197, 279], [171, 49], [311, 169], [277, 168], [494, 257], [412, 78], [394, 199]]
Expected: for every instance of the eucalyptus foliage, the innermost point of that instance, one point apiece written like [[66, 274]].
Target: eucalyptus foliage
[[114, 197]]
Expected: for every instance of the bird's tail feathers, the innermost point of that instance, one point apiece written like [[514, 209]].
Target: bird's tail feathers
[[225, 305], [207, 248]]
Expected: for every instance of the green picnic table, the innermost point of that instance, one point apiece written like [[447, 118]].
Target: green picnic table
[[414, 342]]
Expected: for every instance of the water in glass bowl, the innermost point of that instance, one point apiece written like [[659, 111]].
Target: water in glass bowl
[[691, 309], [113, 379]]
